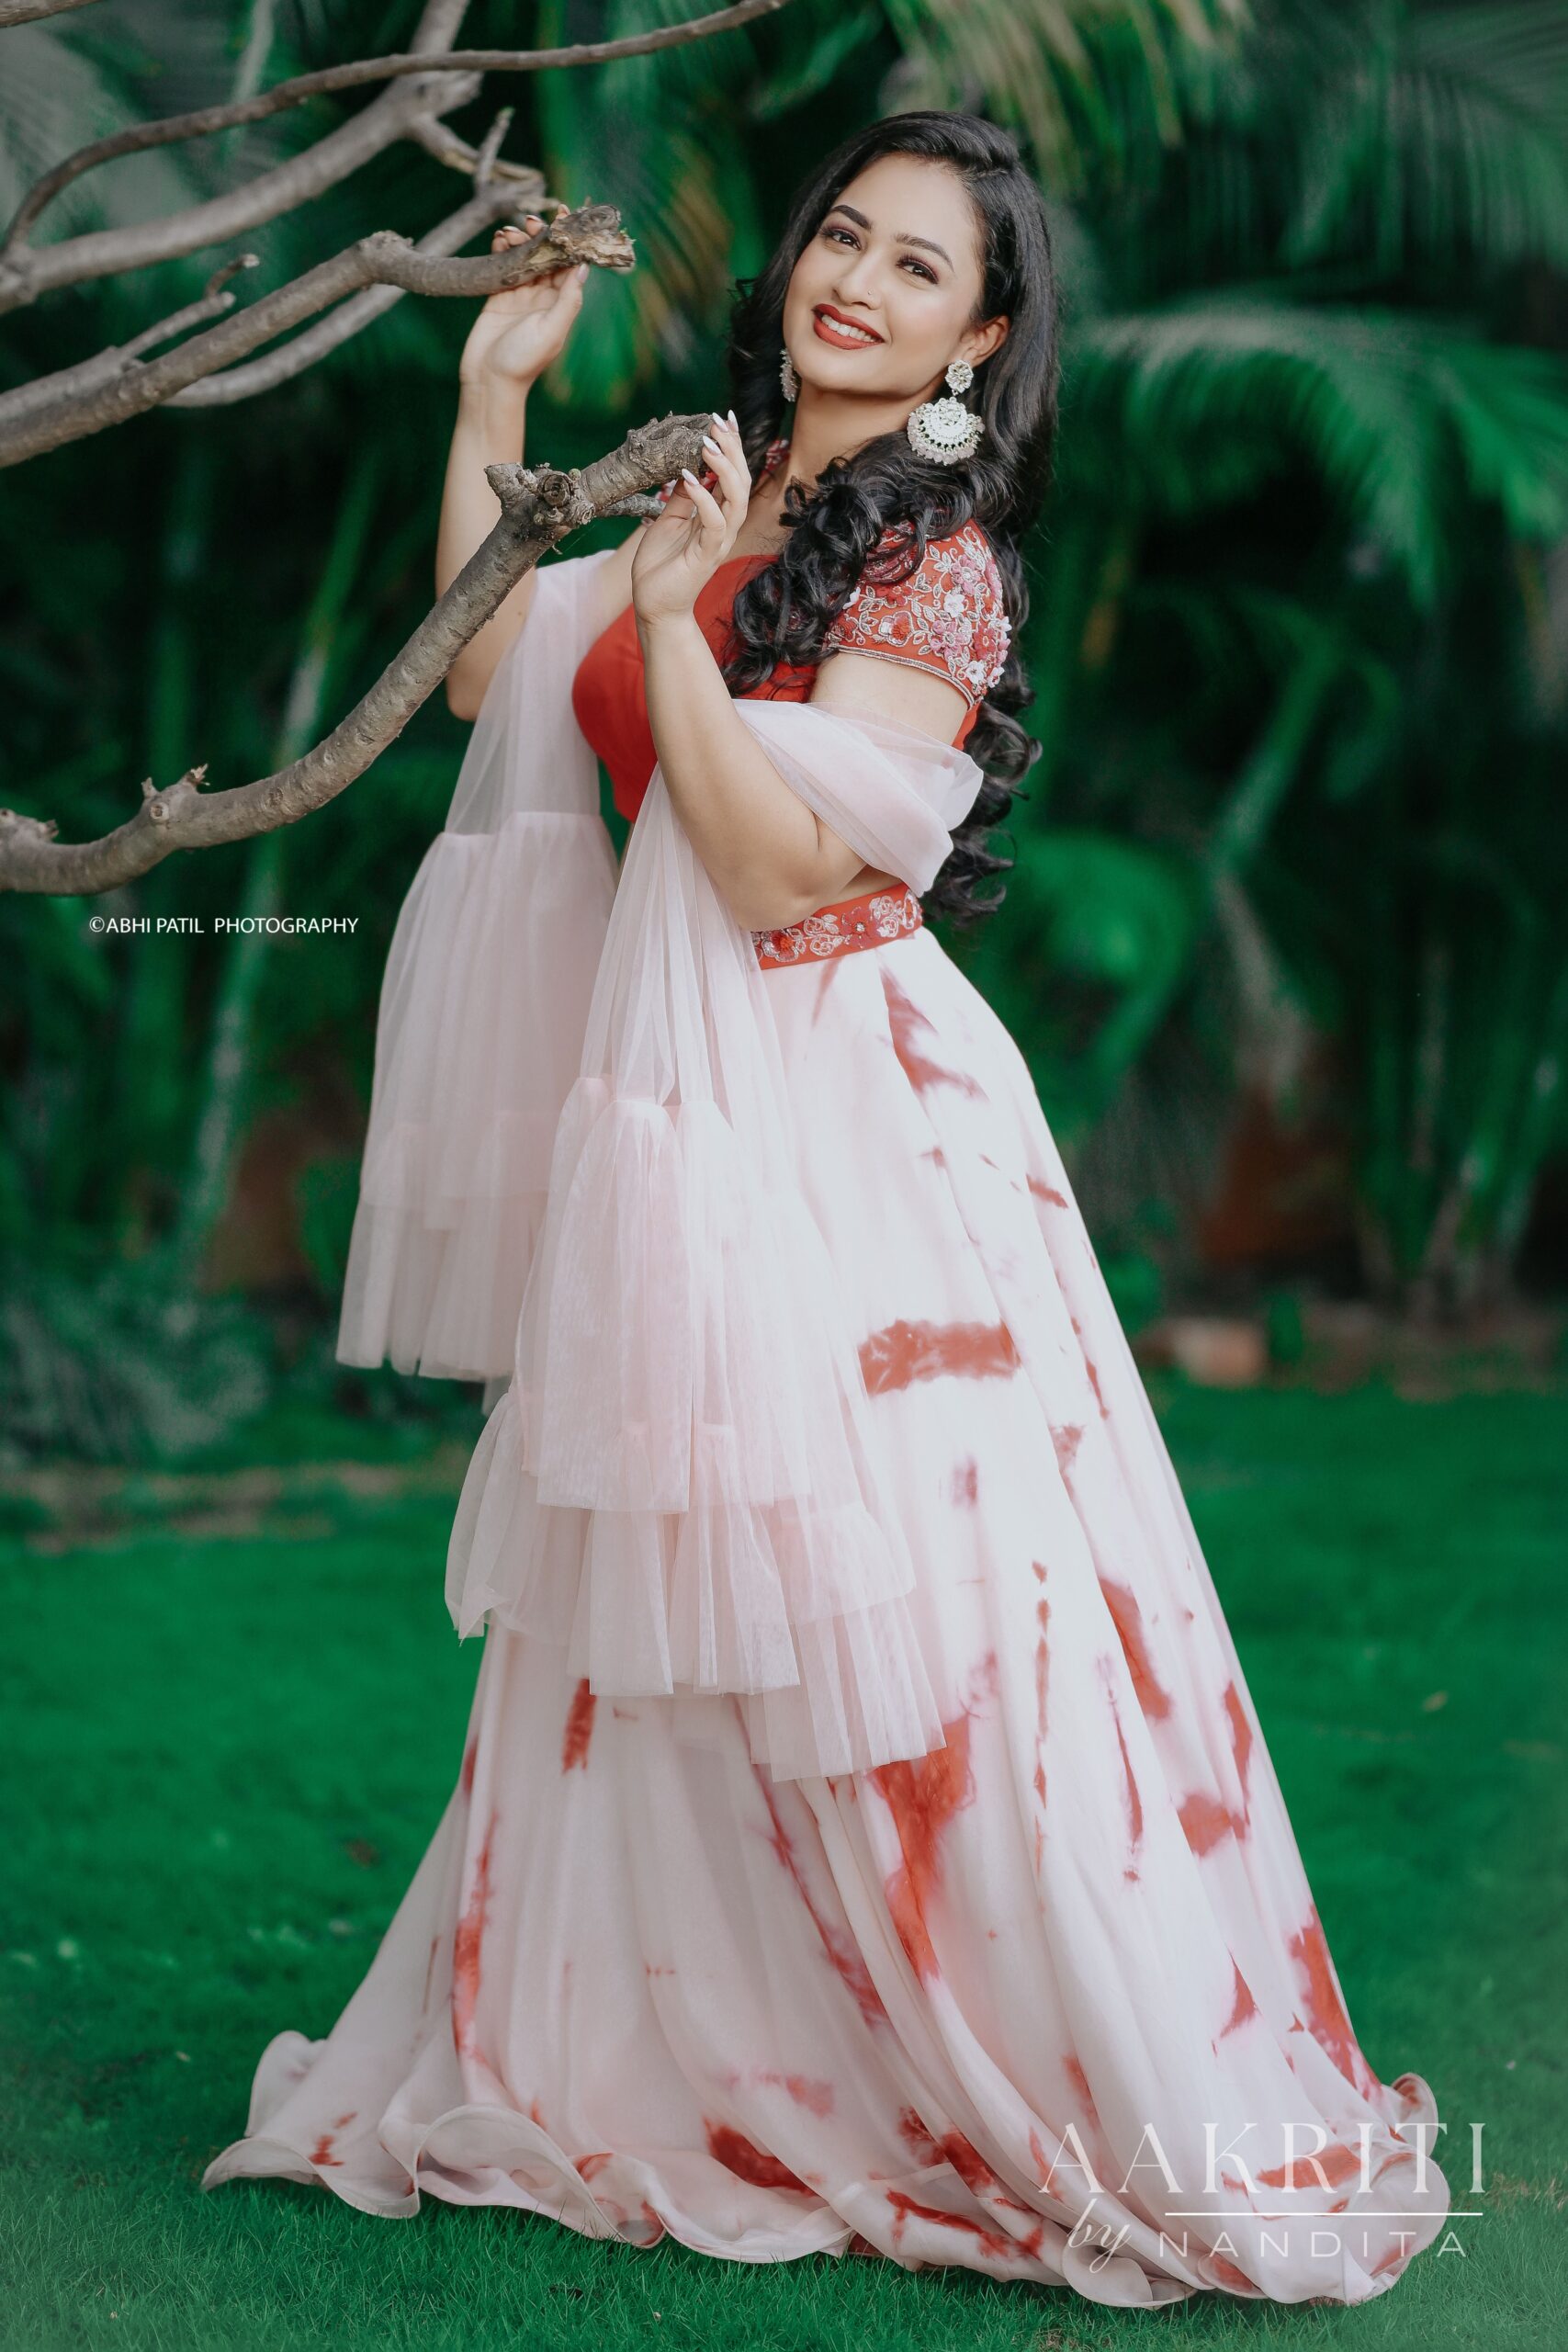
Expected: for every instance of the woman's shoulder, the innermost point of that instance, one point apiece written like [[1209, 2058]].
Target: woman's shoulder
[[948, 614]]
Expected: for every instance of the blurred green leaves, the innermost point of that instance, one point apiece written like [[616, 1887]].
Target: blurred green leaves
[[662, 138], [1442, 132], [1202, 401], [1098, 939]]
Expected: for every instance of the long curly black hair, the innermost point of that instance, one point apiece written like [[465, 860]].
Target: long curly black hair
[[837, 532]]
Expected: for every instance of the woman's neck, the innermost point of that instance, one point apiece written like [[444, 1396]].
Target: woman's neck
[[827, 425], [835, 425]]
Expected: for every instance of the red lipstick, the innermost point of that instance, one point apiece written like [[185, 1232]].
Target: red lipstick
[[830, 326]]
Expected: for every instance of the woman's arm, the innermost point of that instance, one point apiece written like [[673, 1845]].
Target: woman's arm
[[772, 859], [512, 342]]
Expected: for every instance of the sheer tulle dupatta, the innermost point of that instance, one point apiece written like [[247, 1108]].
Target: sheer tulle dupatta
[[698, 1504], [480, 1033]]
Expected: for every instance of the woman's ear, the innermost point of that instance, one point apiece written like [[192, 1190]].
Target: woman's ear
[[981, 341]]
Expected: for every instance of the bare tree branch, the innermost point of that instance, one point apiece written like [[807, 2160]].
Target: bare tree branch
[[539, 508], [109, 388], [67, 385], [490, 203], [489, 147], [25, 274], [349, 319], [29, 11], [105, 253]]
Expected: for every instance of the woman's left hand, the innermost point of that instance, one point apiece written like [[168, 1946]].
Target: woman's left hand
[[677, 554]]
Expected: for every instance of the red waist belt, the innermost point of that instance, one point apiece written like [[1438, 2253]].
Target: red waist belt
[[841, 929]]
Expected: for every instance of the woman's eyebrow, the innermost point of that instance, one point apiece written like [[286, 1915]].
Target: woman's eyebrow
[[928, 244]]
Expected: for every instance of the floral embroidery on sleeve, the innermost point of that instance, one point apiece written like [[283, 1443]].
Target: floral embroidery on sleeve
[[948, 616]]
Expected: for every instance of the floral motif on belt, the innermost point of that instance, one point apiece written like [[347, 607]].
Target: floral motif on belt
[[853, 923]]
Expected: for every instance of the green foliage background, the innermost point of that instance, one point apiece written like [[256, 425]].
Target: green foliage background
[[1298, 640]]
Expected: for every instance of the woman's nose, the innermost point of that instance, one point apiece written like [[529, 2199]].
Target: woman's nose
[[856, 280]]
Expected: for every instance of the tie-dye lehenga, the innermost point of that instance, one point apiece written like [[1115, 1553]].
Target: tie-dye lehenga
[[900, 1871]]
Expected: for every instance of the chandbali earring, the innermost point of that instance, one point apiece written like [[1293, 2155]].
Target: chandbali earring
[[787, 376], [945, 429]]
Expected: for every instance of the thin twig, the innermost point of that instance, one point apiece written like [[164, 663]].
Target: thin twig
[[490, 146], [539, 508], [442, 144], [213, 302]]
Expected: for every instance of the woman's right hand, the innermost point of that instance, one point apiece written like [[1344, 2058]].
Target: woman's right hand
[[520, 330]]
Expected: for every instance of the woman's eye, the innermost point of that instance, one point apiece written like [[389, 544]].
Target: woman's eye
[[920, 265], [848, 239]]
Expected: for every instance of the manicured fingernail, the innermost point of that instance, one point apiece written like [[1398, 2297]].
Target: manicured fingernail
[[687, 475], [735, 420], [580, 272], [709, 443]]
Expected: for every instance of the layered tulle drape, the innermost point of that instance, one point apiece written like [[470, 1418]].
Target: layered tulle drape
[[581, 1163], [698, 1503], [479, 1034]]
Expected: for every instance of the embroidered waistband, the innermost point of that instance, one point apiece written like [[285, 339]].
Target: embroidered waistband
[[841, 929]]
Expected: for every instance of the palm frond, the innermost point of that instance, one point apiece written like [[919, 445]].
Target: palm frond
[[814, 45], [1200, 400], [1449, 137], [1508, 409], [1101, 937], [1047, 68], [658, 136], [59, 91]]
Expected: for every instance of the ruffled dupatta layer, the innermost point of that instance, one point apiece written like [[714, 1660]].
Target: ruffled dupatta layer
[[683, 1486], [479, 1034]]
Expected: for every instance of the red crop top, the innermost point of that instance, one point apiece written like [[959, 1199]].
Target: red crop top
[[947, 617]]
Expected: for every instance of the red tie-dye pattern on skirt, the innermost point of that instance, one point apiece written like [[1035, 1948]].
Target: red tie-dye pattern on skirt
[[965, 2009]]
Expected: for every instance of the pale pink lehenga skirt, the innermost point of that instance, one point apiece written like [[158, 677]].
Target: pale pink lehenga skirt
[[1053, 2002]]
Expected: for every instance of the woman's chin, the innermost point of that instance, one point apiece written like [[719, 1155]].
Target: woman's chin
[[842, 380]]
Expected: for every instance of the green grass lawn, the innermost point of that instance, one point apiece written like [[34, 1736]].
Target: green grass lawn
[[232, 1713]]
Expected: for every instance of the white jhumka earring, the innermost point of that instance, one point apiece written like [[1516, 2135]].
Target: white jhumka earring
[[787, 376], [945, 429]]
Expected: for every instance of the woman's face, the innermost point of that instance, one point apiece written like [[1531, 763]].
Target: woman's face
[[884, 298]]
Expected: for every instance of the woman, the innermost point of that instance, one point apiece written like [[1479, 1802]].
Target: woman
[[864, 1838]]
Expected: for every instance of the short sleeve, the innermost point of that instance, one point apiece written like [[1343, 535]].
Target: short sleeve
[[949, 616]]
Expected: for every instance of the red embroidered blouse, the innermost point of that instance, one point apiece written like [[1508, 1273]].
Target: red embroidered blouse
[[947, 617]]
